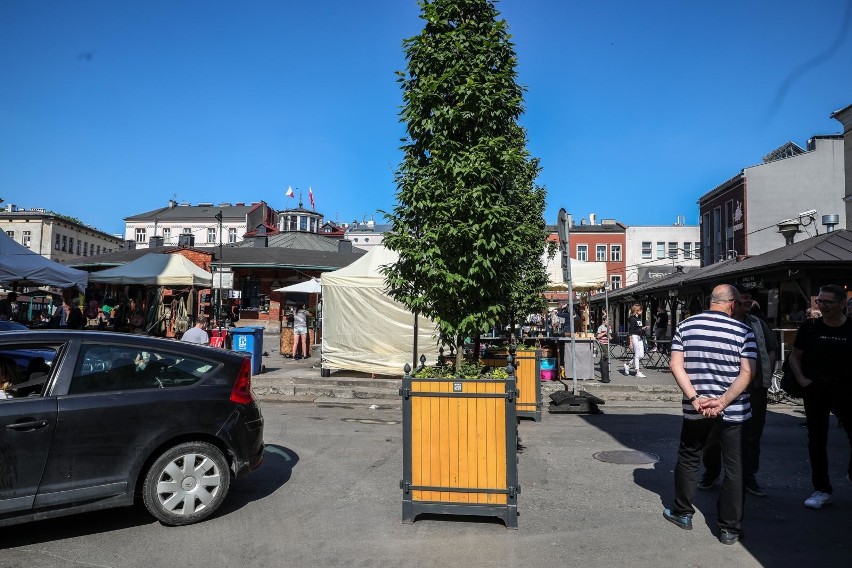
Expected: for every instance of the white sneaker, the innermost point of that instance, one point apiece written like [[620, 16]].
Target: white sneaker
[[626, 369], [640, 375], [817, 500]]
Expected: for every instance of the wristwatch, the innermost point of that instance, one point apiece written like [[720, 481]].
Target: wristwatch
[[692, 399]]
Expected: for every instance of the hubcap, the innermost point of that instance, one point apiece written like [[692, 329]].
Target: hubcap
[[188, 484]]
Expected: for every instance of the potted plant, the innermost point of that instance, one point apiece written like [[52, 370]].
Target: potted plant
[[469, 230], [527, 363]]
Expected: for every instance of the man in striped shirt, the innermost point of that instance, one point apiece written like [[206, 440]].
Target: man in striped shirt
[[713, 359]]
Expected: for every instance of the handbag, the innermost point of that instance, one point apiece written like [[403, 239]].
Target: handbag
[[789, 383]]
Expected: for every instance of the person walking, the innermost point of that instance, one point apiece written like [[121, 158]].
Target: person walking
[[758, 391], [637, 339], [197, 333], [661, 324], [713, 359], [602, 335], [820, 362]]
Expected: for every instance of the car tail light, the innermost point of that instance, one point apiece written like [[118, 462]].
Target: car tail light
[[241, 393]]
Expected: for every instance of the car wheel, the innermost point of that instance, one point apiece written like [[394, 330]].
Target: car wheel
[[186, 483]]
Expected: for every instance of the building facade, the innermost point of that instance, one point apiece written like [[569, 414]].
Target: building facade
[[196, 225], [740, 217], [54, 236], [844, 117], [654, 251], [366, 234], [600, 242]]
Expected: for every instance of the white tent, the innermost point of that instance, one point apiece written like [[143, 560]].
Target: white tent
[[20, 265], [312, 286], [584, 275], [156, 270], [364, 329]]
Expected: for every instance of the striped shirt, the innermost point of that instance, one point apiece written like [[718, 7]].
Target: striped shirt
[[713, 344]]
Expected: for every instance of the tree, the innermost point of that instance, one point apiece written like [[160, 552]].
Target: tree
[[468, 224]]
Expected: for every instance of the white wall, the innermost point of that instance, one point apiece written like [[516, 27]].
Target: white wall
[[660, 233], [784, 188]]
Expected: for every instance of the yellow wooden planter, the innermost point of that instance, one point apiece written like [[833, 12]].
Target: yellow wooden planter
[[459, 448], [528, 375]]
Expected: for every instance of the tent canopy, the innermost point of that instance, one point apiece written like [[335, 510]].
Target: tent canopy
[[584, 275], [311, 286], [364, 329], [156, 270], [20, 264]]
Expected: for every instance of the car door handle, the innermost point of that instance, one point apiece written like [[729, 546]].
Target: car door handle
[[27, 426]]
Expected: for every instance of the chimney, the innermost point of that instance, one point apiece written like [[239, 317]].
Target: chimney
[[789, 229], [186, 240], [583, 222], [830, 221], [156, 242], [592, 218], [570, 221], [172, 203], [129, 244], [344, 246]]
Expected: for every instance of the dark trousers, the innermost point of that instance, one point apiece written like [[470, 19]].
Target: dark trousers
[[753, 432], [693, 438], [820, 399]]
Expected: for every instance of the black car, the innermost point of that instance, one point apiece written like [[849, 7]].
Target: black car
[[96, 420]]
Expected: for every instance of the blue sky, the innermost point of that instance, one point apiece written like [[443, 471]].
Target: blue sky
[[111, 108]]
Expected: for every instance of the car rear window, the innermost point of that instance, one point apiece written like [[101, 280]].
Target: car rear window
[[104, 368]]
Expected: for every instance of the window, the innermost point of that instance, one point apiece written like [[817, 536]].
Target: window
[[211, 235], [27, 239], [717, 235], [140, 236], [102, 368], [167, 235], [583, 252], [79, 244], [64, 243], [34, 365], [187, 230], [85, 249], [661, 250], [695, 248], [11, 234], [56, 246], [672, 250], [687, 251], [614, 281], [293, 223], [615, 253], [232, 235], [99, 249], [71, 245], [646, 249], [367, 239], [600, 253], [303, 223], [705, 236]]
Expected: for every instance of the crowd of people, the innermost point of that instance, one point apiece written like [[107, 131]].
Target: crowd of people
[[722, 360]]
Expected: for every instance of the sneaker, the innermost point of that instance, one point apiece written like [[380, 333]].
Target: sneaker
[[682, 521], [817, 500], [752, 487], [626, 369], [706, 482], [640, 375], [729, 537]]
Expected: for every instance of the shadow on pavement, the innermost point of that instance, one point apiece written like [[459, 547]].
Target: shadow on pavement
[[778, 530]]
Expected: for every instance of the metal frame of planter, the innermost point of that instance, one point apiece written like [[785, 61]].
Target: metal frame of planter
[[466, 461]]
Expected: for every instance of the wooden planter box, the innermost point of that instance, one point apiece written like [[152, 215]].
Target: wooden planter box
[[460, 449], [528, 375]]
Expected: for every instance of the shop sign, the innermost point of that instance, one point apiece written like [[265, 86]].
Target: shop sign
[[751, 282]]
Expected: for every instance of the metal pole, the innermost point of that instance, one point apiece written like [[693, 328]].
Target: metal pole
[[565, 247], [219, 309], [606, 311]]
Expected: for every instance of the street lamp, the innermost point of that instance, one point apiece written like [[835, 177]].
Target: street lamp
[[219, 308]]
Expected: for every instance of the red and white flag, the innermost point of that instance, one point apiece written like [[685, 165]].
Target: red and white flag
[[311, 197], [290, 192]]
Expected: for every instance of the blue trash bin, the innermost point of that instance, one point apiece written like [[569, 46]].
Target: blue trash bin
[[249, 340]]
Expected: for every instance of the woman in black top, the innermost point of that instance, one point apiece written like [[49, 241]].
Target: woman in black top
[[637, 332], [820, 362]]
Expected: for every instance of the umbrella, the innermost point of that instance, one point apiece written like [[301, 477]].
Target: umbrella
[[312, 286]]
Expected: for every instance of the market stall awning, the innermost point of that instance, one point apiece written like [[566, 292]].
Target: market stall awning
[[156, 270], [20, 265], [584, 275], [312, 286]]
